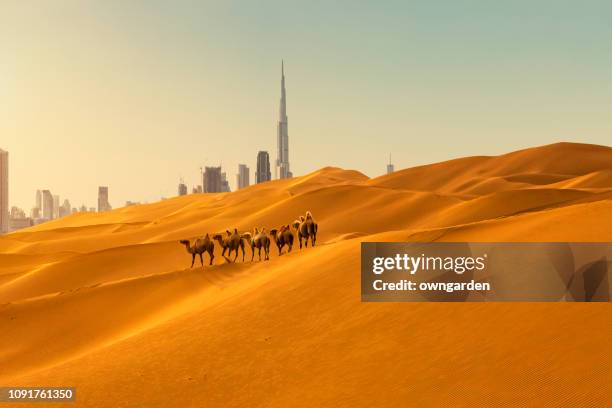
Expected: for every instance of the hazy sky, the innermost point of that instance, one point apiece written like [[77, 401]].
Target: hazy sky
[[135, 94]]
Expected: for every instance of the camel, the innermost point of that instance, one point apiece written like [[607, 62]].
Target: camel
[[231, 242], [306, 228], [258, 240], [296, 223], [200, 246], [282, 237]]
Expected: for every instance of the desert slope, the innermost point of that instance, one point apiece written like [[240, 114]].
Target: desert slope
[[105, 302]]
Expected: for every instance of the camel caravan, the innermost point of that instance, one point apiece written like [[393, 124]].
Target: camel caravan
[[305, 228]]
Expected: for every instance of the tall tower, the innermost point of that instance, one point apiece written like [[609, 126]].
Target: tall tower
[[263, 167], [242, 178], [4, 190], [47, 205], [390, 166], [56, 206], [103, 204], [281, 170], [212, 180], [182, 188], [38, 200]]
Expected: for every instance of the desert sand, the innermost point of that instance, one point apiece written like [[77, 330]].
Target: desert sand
[[107, 303]]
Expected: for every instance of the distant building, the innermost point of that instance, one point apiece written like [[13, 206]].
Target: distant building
[[211, 180], [64, 210], [92, 209], [242, 178], [83, 208], [263, 167], [56, 206], [182, 189], [38, 203], [4, 191], [18, 219], [19, 223], [103, 204], [281, 170], [35, 213], [17, 213], [47, 205], [131, 203], [225, 188], [390, 166], [196, 189]]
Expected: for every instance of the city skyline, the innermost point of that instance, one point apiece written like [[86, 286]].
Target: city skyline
[[130, 103]]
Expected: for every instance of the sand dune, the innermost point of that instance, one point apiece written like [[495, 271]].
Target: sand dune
[[107, 302], [535, 166]]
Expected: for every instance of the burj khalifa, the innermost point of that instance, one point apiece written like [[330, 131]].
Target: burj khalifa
[[282, 153]]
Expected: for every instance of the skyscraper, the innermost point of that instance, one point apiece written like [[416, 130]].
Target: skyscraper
[[64, 210], [182, 188], [242, 178], [281, 169], [390, 167], [103, 204], [263, 167], [56, 206], [211, 181], [47, 205], [4, 201], [38, 200], [225, 188], [35, 213]]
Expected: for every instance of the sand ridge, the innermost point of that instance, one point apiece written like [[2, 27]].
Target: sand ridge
[[107, 301]]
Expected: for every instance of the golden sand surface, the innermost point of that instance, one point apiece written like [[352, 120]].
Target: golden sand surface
[[107, 302]]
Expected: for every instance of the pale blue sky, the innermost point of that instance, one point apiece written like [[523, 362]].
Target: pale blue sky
[[135, 94]]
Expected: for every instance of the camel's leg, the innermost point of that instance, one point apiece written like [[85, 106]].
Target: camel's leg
[[201, 259], [259, 252], [242, 246], [300, 239], [306, 242], [192, 259]]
